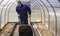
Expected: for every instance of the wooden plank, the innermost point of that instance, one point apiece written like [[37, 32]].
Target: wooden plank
[[16, 32], [44, 31], [7, 29]]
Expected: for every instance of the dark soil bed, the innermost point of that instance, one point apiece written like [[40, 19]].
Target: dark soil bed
[[25, 31]]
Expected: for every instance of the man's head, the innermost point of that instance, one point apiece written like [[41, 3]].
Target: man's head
[[19, 3]]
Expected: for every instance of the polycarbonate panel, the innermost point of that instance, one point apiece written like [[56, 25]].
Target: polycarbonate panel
[[45, 2], [55, 27], [3, 12], [42, 11], [25, 0], [35, 5], [3, 17], [36, 11], [13, 16], [52, 18], [4, 2], [58, 21], [55, 3], [0, 0]]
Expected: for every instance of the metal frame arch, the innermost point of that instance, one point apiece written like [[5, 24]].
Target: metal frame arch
[[47, 12], [6, 10], [55, 17], [40, 10], [9, 9], [1, 1], [43, 10], [1, 13]]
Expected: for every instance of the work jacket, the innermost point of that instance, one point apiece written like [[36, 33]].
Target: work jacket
[[23, 10]]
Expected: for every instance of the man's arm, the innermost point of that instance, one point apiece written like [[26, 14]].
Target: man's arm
[[17, 10], [29, 10]]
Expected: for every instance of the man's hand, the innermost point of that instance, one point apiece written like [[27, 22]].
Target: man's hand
[[29, 18], [19, 14], [29, 15]]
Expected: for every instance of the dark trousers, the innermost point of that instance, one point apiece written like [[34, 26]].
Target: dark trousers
[[23, 20]]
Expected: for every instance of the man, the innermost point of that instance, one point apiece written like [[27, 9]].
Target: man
[[22, 10]]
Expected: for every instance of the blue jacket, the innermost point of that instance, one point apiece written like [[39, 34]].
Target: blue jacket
[[23, 10]]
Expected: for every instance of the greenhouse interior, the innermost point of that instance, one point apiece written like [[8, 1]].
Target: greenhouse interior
[[43, 21]]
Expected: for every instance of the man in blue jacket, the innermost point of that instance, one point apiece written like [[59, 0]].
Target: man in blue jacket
[[23, 10]]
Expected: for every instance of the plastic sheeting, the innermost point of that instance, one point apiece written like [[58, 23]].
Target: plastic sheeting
[[47, 11]]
